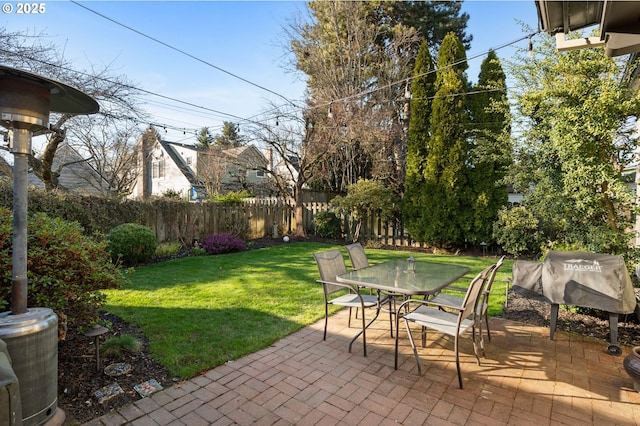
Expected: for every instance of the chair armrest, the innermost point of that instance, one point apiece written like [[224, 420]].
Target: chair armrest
[[343, 285]]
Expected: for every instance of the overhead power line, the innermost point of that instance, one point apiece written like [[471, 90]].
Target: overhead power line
[[183, 52], [128, 86]]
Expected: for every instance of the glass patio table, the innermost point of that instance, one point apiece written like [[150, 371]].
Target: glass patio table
[[393, 277]]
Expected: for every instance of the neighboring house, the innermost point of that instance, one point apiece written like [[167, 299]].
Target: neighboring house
[[74, 173], [288, 170], [195, 173]]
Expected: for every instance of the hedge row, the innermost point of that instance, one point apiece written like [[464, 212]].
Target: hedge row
[[94, 214]]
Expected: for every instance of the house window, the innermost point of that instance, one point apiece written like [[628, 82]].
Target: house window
[[260, 173], [157, 169]]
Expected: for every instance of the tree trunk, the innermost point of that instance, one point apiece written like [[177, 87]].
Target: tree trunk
[[49, 178], [300, 233]]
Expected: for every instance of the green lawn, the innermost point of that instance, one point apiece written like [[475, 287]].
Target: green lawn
[[200, 312]]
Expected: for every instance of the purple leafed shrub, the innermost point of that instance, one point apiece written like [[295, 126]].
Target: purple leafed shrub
[[222, 243]]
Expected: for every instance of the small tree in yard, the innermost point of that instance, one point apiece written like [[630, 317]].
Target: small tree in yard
[[367, 197]]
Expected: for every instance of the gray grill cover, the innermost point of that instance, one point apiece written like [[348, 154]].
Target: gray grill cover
[[589, 280]]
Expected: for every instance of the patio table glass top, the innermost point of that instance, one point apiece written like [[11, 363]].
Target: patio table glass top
[[393, 277]]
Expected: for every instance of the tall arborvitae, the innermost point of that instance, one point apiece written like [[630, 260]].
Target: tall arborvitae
[[446, 188], [491, 148], [422, 91]]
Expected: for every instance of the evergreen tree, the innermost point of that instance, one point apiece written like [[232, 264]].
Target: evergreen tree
[[432, 19], [491, 149], [446, 188], [204, 139], [353, 54], [230, 136], [422, 89]]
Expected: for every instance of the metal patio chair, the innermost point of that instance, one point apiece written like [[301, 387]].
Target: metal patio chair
[[331, 264], [359, 260], [454, 321], [483, 300], [357, 256]]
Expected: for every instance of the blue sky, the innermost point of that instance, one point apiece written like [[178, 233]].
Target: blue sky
[[241, 37]]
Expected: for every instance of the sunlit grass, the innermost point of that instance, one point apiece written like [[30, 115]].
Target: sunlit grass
[[200, 312]]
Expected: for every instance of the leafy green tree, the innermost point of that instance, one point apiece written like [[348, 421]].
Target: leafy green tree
[[577, 140], [517, 230], [230, 136], [446, 214], [422, 89], [491, 152], [204, 139]]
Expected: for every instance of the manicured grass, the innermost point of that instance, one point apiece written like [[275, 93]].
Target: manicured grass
[[200, 312]]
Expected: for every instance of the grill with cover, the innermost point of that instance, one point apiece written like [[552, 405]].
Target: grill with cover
[[588, 280]]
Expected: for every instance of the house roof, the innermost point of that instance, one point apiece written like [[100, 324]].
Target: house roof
[[170, 148], [77, 174], [231, 153], [618, 20]]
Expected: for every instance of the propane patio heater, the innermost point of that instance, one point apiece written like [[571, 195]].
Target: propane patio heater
[[31, 334]]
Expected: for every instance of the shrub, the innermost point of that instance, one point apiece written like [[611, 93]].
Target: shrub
[[517, 231], [171, 193], [198, 251], [222, 243], [327, 224], [168, 249], [131, 243], [65, 269]]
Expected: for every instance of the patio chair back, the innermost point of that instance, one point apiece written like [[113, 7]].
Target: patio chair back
[[483, 302], [330, 265], [357, 256]]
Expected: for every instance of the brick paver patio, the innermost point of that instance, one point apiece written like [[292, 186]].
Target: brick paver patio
[[525, 379]]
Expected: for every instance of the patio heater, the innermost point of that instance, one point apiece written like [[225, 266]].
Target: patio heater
[[31, 334]]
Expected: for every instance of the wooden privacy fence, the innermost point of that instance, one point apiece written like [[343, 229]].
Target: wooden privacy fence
[[258, 218]]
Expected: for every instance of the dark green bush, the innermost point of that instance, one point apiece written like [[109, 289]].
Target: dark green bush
[[131, 244], [65, 269], [327, 225]]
